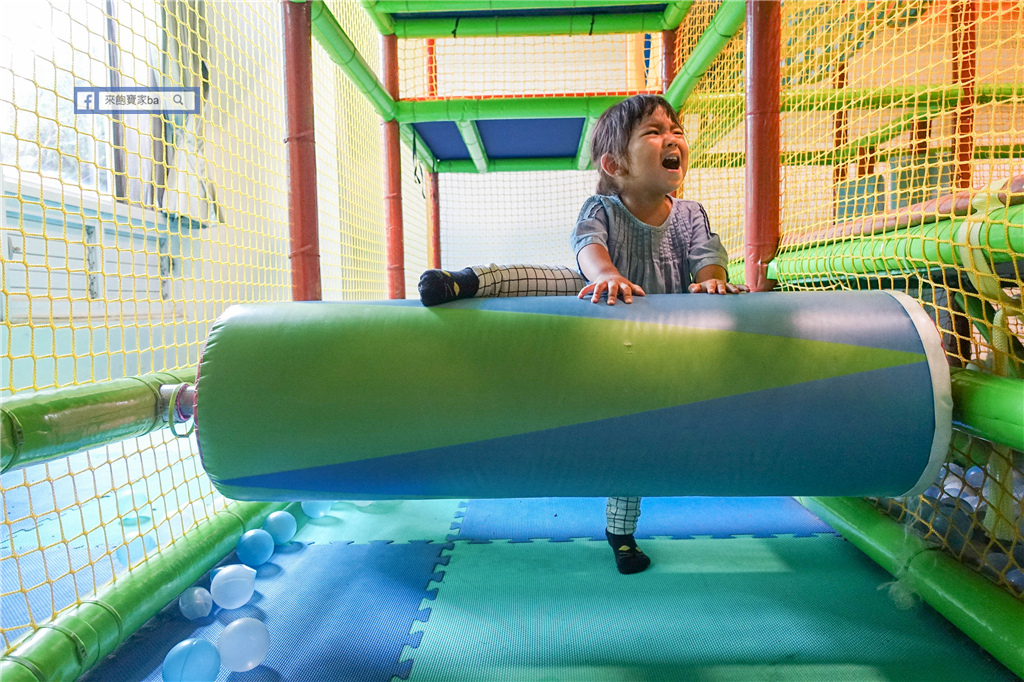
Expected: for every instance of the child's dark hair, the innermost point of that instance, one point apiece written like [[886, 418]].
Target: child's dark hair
[[614, 128]]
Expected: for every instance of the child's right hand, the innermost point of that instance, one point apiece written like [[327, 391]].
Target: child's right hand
[[614, 285]]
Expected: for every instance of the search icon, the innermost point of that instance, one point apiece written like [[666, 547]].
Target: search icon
[[177, 100]]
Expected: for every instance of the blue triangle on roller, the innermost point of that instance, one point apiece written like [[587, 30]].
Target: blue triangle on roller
[[881, 447]]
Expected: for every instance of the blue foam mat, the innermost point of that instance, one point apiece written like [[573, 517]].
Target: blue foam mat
[[334, 612], [562, 518]]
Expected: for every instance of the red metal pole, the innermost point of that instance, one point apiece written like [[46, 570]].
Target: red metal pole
[[668, 58], [431, 68], [302, 208], [764, 31], [431, 179], [840, 123], [394, 241], [668, 73], [433, 220], [963, 23]]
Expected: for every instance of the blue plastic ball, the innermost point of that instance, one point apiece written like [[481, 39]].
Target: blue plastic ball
[[193, 660], [281, 526], [135, 549], [255, 547], [1016, 578], [244, 644], [975, 476], [314, 509], [195, 603]]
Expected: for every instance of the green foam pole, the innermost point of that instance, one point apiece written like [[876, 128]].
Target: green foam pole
[[510, 26], [43, 426], [581, 106], [674, 14], [509, 165], [944, 97], [426, 6], [82, 635], [985, 613], [413, 140], [385, 25], [583, 151], [723, 28], [989, 407], [921, 247], [343, 52], [471, 136]]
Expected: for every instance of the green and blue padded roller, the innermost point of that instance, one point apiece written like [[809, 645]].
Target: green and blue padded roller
[[839, 393]]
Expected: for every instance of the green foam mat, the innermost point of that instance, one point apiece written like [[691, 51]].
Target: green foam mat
[[384, 520], [742, 609]]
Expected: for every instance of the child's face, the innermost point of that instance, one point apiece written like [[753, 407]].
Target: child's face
[[657, 156]]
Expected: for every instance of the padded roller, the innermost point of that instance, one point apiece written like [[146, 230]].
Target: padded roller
[[839, 393]]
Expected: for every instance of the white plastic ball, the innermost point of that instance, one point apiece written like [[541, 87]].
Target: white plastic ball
[[233, 586], [243, 645], [195, 603]]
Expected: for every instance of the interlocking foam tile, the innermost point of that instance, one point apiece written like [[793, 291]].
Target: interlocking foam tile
[[562, 518], [389, 520], [742, 609], [334, 612]]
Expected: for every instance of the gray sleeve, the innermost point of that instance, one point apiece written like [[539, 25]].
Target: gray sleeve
[[591, 226], [705, 248]]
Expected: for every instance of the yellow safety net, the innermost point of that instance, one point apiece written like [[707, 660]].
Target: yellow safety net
[[888, 109], [125, 235]]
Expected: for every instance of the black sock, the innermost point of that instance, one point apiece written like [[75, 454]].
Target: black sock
[[628, 557], [441, 286]]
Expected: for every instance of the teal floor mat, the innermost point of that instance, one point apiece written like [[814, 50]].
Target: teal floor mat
[[742, 609], [384, 520]]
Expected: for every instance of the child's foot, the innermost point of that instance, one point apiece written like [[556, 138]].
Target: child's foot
[[441, 286], [628, 557]]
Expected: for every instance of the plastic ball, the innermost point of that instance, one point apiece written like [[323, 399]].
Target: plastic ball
[[255, 547], [975, 476], [281, 525], [135, 549], [195, 603], [233, 586], [193, 660], [314, 509], [1016, 578], [243, 645]]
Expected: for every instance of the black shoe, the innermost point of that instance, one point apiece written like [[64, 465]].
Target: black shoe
[[441, 286], [628, 557]]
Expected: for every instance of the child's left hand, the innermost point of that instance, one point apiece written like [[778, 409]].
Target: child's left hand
[[717, 286]]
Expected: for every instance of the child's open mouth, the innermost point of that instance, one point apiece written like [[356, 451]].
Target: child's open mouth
[[671, 162]]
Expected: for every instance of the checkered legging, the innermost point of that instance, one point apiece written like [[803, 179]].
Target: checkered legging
[[500, 281], [622, 513]]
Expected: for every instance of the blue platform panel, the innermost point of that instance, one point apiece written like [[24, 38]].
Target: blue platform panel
[[334, 612], [560, 519], [444, 139], [531, 138]]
